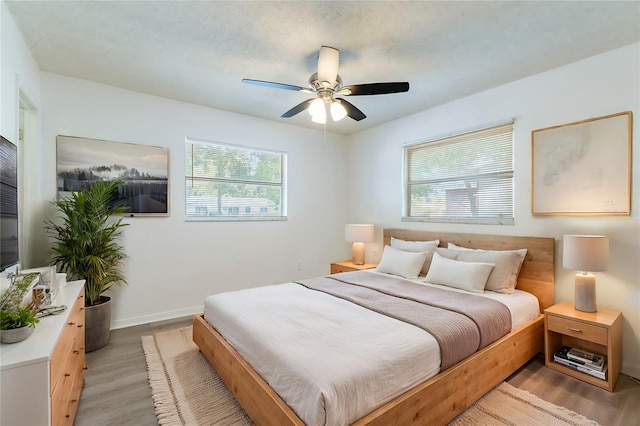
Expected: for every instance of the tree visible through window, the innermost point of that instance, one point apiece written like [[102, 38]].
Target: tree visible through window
[[463, 178], [226, 182]]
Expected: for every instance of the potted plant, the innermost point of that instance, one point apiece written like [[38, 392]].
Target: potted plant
[[86, 247], [17, 319]]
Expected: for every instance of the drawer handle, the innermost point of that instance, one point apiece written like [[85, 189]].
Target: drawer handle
[[67, 374], [80, 325], [71, 323], [577, 330], [67, 415]]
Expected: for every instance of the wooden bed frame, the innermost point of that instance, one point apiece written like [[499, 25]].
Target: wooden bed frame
[[440, 398]]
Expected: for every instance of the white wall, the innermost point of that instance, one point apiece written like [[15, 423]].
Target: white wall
[[172, 264], [597, 86], [18, 71], [19, 76]]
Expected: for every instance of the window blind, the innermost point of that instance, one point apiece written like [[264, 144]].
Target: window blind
[[462, 178]]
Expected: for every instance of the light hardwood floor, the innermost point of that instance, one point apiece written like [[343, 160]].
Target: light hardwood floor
[[116, 389]]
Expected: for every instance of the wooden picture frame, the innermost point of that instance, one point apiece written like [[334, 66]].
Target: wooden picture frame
[[582, 168], [144, 169]]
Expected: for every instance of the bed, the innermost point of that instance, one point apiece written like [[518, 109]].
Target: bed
[[437, 399]]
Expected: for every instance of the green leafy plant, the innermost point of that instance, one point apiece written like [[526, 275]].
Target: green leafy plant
[[86, 238], [13, 313]]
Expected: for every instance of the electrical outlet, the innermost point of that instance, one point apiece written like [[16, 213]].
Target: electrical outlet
[[299, 266]]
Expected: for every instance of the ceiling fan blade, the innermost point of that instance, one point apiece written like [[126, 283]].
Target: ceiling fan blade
[[328, 61], [298, 108], [277, 85], [352, 111], [373, 89]]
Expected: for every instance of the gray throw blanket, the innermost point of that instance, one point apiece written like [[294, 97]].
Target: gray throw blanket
[[461, 323]]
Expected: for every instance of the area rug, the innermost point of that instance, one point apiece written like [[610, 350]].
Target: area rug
[[187, 391]]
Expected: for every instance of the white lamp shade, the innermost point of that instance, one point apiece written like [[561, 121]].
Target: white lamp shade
[[337, 111], [318, 111], [328, 61], [358, 233], [316, 107], [585, 252]]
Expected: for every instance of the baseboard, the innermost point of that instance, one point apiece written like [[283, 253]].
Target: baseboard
[[631, 370], [160, 316]]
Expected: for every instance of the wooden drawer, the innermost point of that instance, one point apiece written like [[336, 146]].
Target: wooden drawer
[[578, 329], [67, 342], [335, 269], [60, 357], [60, 399], [64, 401], [348, 266], [67, 367]]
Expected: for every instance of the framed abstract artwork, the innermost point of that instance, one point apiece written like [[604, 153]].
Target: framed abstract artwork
[[582, 168], [143, 169]]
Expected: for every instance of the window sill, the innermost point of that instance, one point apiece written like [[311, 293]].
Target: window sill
[[235, 219], [505, 221]]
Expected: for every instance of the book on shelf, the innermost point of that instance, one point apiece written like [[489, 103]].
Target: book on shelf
[[598, 370], [588, 358], [564, 354], [602, 375]]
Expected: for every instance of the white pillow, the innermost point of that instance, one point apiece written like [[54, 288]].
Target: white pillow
[[470, 276], [414, 246], [504, 277], [417, 246], [398, 262], [448, 253]]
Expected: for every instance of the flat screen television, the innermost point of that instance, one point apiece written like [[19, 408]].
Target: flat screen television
[[8, 204]]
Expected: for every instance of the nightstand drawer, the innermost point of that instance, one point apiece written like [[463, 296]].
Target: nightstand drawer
[[579, 329], [348, 266], [335, 269]]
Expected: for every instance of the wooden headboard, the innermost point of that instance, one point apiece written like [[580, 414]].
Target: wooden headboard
[[537, 275]]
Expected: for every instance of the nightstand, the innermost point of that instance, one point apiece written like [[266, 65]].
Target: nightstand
[[348, 266], [598, 332]]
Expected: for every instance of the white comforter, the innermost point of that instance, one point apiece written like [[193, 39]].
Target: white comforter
[[332, 361]]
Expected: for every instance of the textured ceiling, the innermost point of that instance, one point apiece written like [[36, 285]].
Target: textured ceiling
[[198, 52]]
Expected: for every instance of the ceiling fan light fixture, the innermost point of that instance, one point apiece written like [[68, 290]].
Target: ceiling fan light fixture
[[337, 111], [327, 83], [328, 61], [319, 117], [317, 107]]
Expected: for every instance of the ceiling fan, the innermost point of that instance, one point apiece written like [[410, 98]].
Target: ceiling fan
[[326, 84]]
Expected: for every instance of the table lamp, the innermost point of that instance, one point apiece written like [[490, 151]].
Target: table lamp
[[586, 253], [358, 234]]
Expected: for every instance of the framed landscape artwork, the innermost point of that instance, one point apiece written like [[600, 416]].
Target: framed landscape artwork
[[582, 168], [143, 169]]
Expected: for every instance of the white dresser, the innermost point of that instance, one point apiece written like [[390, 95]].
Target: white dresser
[[41, 377]]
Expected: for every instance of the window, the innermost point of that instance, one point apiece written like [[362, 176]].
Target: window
[[226, 182], [467, 178]]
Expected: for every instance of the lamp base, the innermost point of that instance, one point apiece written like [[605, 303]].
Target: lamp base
[[585, 293], [357, 253]]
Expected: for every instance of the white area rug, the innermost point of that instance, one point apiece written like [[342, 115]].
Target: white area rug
[[187, 391]]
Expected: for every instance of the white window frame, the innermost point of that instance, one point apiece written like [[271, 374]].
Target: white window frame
[[238, 218], [468, 137]]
